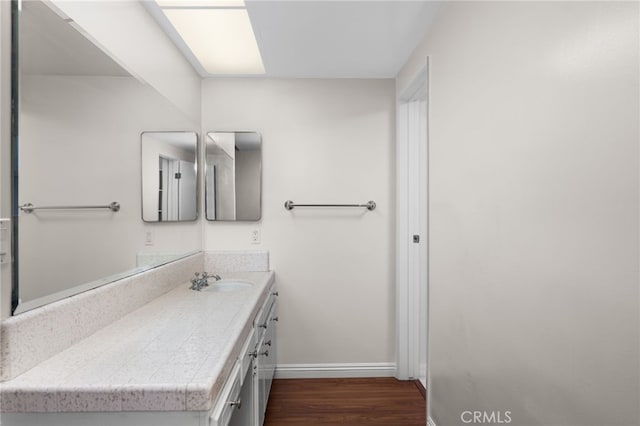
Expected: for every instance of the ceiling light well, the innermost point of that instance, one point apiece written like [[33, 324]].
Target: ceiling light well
[[219, 34]]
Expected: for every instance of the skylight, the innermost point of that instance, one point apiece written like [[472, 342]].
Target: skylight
[[218, 33]]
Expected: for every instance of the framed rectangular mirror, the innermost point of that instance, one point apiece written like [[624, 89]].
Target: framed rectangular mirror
[[169, 176], [233, 184]]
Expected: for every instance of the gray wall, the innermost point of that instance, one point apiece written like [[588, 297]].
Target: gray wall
[[534, 211]]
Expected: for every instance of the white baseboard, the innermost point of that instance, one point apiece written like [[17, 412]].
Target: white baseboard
[[323, 371], [423, 381], [430, 422]]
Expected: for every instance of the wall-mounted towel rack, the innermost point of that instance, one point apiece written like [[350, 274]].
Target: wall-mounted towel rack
[[29, 208], [290, 205]]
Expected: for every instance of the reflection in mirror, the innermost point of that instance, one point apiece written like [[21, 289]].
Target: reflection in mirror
[[233, 176], [169, 170], [80, 116]]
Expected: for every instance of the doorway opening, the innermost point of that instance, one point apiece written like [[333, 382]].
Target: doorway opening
[[412, 249]]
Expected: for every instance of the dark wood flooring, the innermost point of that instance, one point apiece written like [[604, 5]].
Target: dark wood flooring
[[353, 402]]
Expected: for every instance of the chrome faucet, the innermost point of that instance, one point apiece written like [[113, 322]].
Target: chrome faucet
[[206, 276], [198, 282]]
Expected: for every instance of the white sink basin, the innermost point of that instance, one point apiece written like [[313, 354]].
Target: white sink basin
[[228, 285]]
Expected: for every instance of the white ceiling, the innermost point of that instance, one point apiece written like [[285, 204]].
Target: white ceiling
[[297, 38], [338, 39], [51, 46]]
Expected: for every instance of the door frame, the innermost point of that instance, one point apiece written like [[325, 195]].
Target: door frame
[[412, 188]]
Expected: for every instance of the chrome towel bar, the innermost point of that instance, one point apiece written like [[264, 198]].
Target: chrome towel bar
[[29, 208], [290, 205]]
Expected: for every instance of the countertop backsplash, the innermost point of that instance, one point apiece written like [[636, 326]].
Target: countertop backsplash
[[221, 261], [34, 336]]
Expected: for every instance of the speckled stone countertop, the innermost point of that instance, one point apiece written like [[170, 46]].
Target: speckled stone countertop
[[172, 354]]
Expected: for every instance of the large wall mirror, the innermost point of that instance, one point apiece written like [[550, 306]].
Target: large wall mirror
[[169, 176], [80, 116], [233, 184]]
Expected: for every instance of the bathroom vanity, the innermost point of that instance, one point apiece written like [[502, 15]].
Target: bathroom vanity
[[188, 358], [105, 329]]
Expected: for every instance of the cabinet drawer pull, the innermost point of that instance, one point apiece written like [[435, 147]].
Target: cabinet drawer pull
[[263, 325], [265, 353], [274, 319], [275, 293], [267, 343], [237, 403], [253, 354]]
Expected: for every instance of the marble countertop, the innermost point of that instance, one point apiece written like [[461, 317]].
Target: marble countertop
[[172, 354]]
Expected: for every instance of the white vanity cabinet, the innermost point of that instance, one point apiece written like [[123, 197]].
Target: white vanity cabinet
[[241, 400], [244, 413], [228, 400], [265, 361], [257, 363]]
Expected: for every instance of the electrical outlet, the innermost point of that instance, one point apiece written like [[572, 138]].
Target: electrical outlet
[[255, 236], [148, 238]]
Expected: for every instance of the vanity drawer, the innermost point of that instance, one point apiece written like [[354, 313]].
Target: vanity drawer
[[247, 354], [264, 310], [228, 401], [261, 321]]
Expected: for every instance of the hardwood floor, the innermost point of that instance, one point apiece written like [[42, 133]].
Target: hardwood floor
[[353, 402]]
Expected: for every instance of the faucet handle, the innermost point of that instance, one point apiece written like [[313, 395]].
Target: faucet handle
[[205, 278]]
